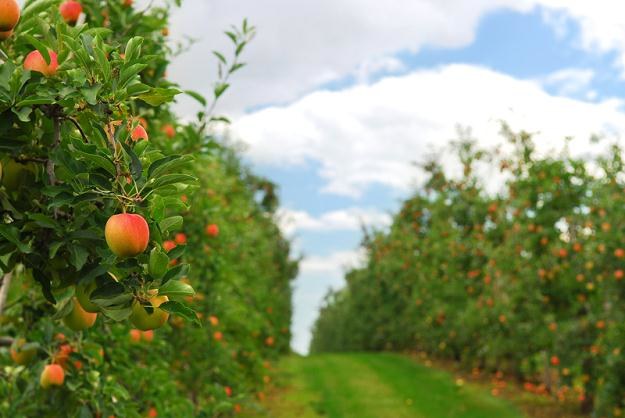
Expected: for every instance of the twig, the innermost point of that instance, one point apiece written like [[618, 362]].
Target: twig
[[77, 125], [4, 290], [56, 142]]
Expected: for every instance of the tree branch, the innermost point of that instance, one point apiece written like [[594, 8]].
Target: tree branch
[[4, 290], [77, 125]]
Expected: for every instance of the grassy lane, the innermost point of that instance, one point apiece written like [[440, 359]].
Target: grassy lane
[[375, 386]]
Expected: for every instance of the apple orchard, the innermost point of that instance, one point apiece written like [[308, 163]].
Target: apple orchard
[[143, 273]]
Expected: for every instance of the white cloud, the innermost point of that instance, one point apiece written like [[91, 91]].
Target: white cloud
[[349, 219], [303, 44], [369, 135], [569, 81], [332, 266]]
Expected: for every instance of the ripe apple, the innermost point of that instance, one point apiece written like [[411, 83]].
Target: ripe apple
[[180, 238], [36, 62], [212, 230], [83, 293], [70, 10], [4, 35], [139, 133], [169, 131], [79, 319], [9, 14], [135, 336], [147, 336], [52, 375], [169, 245], [23, 353], [62, 355], [127, 234], [144, 320]]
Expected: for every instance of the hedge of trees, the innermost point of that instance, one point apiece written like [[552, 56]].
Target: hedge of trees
[[529, 282], [143, 273]]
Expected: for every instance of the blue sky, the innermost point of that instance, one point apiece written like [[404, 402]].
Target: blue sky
[[335, 108]]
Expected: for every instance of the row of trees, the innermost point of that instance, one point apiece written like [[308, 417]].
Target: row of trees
[[528, 283], [143, 272]]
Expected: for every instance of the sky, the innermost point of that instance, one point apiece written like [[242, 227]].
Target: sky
[[340, 98]]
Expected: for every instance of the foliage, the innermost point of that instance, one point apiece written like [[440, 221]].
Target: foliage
[[68, 162], [528, 283]]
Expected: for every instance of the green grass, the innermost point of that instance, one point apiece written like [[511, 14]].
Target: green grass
[[376, 386]]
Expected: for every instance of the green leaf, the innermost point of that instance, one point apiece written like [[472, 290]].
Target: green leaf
[[197, 96], [176, 288], [168, 163], [158, 96], [171, 179], [220, 88], [136, 169], [170, 224], [181, 310], [78, 256], [157, 266], [39, 46], [11, 234], [98, 161], [220, 56], [133, 49], [91, 93], [178, 271]]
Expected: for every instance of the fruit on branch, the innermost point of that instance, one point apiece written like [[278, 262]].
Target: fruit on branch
[[180, 238], [212, 230], [9, 14], [16, 175], [169, 131], [146, 315], [127, 3], [36, 62], [4, 35], [79, 319], [127, 234], [139, 133], [70, 11], [62, 356], [169, 245], [52, 375], [22, 355], [83, 294]]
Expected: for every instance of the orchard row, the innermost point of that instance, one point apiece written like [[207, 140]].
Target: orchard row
[[527, 285]]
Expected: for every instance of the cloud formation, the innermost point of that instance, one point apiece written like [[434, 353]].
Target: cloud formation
[[349, 219]]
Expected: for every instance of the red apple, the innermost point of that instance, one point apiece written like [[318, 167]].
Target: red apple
[[70, 11], [9, 14], [169, 131], [180, 238], [169, 245], [139, 133], [127, 234], [36, 62], [212, 230], [52, 375]]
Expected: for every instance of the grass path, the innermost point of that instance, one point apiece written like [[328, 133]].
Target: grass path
[[375, 386]]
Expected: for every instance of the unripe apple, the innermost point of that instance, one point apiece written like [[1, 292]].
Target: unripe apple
[[83, 294], [36, 62], [212, 230], [139, 133], [16, 175], [70, 11], [52, 375], [144, 320], [127, 234], [5, 35], [9, 14], [23, 353], [79, 319]]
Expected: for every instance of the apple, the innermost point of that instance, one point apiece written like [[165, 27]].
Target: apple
[[23, 353], [36, 62], [147, 336], [144, 320], [4, 35], [17, 175], [180, 238], [70, 10], [139, 133], [127, 3], [212, 230], [52, 375], [127, 234], [79, 319], [169, 131], [9, 14], [62, 355], [169, 245], [83, 293], [135, 336]]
